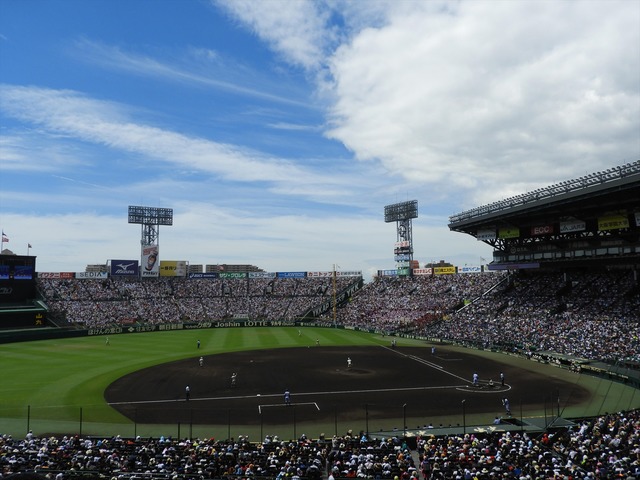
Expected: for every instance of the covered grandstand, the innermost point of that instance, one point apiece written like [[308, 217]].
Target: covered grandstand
[[590, 221], [562, 290]]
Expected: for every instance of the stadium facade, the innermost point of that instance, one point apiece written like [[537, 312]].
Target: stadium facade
[[592, 221]]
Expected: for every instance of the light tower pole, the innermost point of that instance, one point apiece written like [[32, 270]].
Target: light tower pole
[[402, 213], [333, 296]]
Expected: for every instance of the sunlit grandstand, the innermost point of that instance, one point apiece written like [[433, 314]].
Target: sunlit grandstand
[[558, 304]]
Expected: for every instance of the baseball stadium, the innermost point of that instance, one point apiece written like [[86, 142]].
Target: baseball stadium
[[526, 366]]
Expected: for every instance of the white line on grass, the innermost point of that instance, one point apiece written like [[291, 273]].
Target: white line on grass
[[429, 364], [335, 392]]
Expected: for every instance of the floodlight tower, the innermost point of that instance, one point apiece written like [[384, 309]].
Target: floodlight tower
[[402, 213], [150, 219]]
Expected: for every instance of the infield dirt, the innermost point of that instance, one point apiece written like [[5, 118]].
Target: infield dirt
[[382, 382]]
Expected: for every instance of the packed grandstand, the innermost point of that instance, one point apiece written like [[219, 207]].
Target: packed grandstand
[[591, 315], [546, 299], [606, 447], [583, 315]]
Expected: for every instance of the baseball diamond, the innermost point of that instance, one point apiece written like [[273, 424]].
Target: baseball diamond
[[381, 381]]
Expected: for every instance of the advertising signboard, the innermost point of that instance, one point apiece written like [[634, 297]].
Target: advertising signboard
[[292, 274], [541, 230], [204, 275], [349, 273], [569, 225], [613, 222], [262, 274], [94, 275], [173, 268], [387, 273], [509, 232], [422, 271], [123, 268], [444, 270], [149, 261], [56, 274], [232, 275], [470, 269], [486, 235]]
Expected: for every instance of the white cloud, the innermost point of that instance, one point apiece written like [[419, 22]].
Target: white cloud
[[476, 96], [293, 127], [295, 29], [196, 67], [28, 152], [453, 103], [105, 123], [465, 95], [204, 234]]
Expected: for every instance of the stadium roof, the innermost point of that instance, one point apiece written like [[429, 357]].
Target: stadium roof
[[622, 178], [593, 212]]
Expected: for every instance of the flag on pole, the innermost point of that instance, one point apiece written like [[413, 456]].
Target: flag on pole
[[4, 237], [29, 245]]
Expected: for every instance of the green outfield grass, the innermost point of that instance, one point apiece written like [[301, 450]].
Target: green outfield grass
[[58, 385]]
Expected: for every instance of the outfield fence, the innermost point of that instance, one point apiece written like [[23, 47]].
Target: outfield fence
[[184, 420], [187, 420]]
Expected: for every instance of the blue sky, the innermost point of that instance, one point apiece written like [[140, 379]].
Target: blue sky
[[278, 130]]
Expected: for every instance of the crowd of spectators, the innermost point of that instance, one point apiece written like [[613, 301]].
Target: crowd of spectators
[[587, 315], [116, 301], [404, 305], [590, 315], [605, 447]]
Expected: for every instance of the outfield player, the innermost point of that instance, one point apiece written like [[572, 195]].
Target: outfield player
[[287, 397]]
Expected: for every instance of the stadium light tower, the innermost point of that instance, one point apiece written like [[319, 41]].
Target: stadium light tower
[[150, 219], [402, 213]]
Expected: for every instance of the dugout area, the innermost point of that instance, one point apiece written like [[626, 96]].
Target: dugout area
[[383, 387]]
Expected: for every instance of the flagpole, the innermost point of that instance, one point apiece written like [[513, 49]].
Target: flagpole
[[28, 248]]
